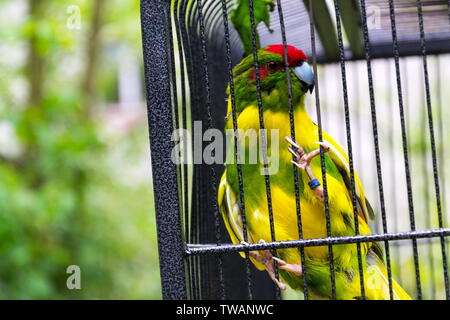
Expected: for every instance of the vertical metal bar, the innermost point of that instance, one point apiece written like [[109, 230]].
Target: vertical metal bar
[[433, 145], [210, 126], [203, 178], [179, 11], [202, 236], [406, 101], [184, 93], [155, 17], [262, 132], [393, 170], [358, 112], [442, 136], [192, 43], [322, 155], [175, 105], [349, 145], [294, 167], [236, 147], [442, 140], [184, 186], [376, 141], [405, 147], [426, 192], [195, 233]]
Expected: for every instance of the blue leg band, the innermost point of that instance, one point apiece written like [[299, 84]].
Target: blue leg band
[[314, 183]]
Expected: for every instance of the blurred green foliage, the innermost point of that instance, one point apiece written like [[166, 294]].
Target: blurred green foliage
[[69, 192], [241, 22]]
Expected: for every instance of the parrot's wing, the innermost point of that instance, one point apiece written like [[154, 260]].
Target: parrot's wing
[[364, 208], [231, 213], [341, 161], [229, 208]]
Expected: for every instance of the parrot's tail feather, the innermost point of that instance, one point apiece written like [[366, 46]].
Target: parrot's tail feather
[[377, 282]]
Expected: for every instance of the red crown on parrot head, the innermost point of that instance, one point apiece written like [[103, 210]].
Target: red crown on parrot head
[[294, 55]]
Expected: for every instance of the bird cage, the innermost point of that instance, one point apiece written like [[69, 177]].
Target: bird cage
[[380, 91]]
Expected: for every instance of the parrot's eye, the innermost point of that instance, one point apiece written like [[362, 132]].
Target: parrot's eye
[[272, 66], [300, 63]]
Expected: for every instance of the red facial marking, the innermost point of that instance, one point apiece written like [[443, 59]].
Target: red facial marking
[[263, 72], [295, 58], [294, 55]]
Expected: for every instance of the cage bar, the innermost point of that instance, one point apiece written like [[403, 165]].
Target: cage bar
[[180, 39], [294, 168], [236, 148], [155, 13], [322, 156], [210, 249], [263, 136]]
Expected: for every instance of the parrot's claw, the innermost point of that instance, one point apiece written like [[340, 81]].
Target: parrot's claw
[[292, 142], [303, 159], [303, 162], [326, 147], [268, 260], [292, 268]]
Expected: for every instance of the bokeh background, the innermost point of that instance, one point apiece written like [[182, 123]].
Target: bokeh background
[[75, 184]]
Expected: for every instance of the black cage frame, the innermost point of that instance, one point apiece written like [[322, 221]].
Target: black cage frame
[[188, 48]]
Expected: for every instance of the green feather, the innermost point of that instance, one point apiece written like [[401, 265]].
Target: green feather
[[240, 17]]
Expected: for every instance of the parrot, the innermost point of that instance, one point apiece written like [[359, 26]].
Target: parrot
[[302, 150]]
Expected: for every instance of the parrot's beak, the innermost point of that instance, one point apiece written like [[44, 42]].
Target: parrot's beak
[[304, 74]]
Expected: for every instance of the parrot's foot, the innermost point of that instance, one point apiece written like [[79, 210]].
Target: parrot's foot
[[303, 161], [268, 260]]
